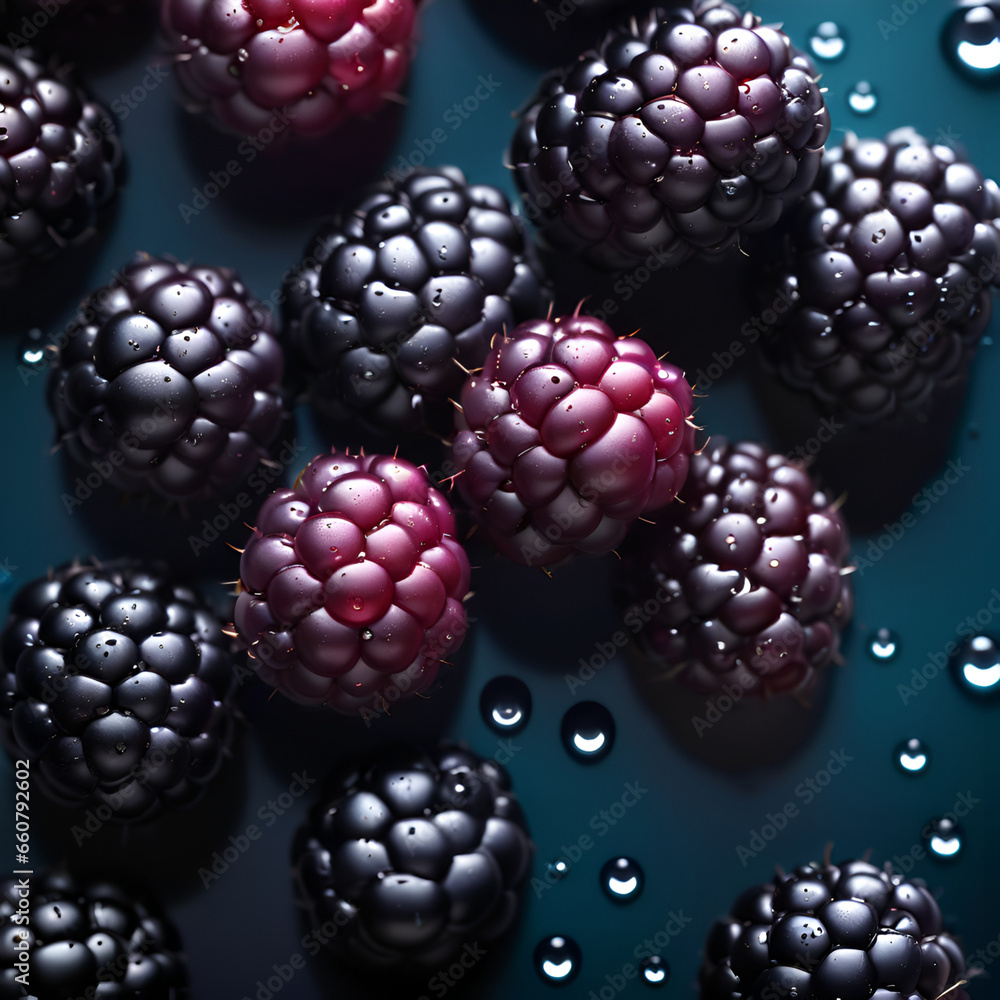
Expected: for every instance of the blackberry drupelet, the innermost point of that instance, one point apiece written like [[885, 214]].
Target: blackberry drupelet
[[409, 278], [746, 573], [567, 435], [315, 63], [170, 381], [679, 133], [412, 858], [117, 685], [352, 584], [60, 158], [87, 940], [833, 932], [888, 267]]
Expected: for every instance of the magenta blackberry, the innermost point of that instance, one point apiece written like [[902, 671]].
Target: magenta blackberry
[[59, 162], [889, 266], [833, 932], [170, 381], [118, 687], [352, 584], [412, 859], [409, 278], [745, 581], [318, 61], [87, 939], [567, 435], [679, 132]]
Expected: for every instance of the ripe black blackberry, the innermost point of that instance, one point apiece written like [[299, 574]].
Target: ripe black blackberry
[[413, 857], [117, 685], [888, 264], [170, 381], [833, 932], [60, 158], [409, 278], [87, 940], [742, 582], [678, 132]]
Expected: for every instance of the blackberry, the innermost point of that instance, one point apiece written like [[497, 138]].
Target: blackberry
[[352, 584], [413, 857], [409, 278], [117, 685], [319, 61], [833, 932], [567, 435], [60, 160], [170, 381], [90, 939], [678, 132], [888, 268], [747, 575]]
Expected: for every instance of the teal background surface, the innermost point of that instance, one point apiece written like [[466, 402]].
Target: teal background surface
[[687, 829]]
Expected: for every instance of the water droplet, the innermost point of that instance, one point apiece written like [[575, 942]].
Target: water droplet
[[367, 633], [971, 41], [862, 98], [976, 666], [827, 41], [654, 971], [588, 731], [884, 645], [943, 838], [31, 351], [120, 747], [358, 604], [557, 960], [557, 869], [912, 756], [622, 879], [505, 704]]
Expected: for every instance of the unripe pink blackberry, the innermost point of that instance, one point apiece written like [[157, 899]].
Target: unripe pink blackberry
[[353, 581], [567, 435]]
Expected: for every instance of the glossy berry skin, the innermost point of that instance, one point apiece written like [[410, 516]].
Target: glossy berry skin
[[117, 685], [567, 435], [832, 932], [169, 381], [317, 62], [741, 582], [59, 162], [678, 132], [409, 278], [888, 267], [84, 934], [352, 584], [412, 858]]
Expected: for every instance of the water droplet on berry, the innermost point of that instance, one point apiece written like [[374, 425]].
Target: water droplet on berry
[[505, 704], [884, 645], [622, 879], [971, 41], [912, 756], [367, 633], [943, 838], [861, 98], [120, 747], [654, 971], [588, 731], [358, 604], [557, 959], [976, 666], [827, 41]]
